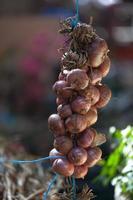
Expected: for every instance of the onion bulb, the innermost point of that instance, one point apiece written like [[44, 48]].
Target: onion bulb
[[63, 144], [64, 111], [105, 95], [91, 93], [105, 66], [77, 79], [61, 89], [95, 76], [80, 171], [77, 156], [80, 105], [63, 167], [86, 138], [56, 124], [76, 123], [97, 52], [94, 155], [91, 117]]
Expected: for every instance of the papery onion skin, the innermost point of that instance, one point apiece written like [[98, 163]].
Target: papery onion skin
[[98, 140]]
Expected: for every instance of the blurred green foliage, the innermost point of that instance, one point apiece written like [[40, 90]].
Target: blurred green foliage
[[118, 168]]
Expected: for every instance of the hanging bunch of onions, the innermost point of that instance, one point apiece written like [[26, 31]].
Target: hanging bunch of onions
[[80, 93]]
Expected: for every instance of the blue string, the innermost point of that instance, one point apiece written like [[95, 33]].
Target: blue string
[[77, 10], [74, 188], [31, 161], [76, 20], [45, 195]]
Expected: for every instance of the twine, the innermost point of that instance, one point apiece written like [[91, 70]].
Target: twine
[[76, 19], [74, 188], [45, 195], [34, 161]]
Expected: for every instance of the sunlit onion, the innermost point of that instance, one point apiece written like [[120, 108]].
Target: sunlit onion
[[63, 167], [105, 96]]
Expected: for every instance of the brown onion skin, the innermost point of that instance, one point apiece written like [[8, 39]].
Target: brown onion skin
[[63, 166], [94, 155], [76, 123], [91, 93], [95, 76], [91, 117], [105, 66], [98, 140], [77, 156], [105, 96], [80, 105], [97, 52], [61, 89], [56, 124], [80, 171], [86, 138], [77, 79], [64, 111], [63, 144], [54, 152]]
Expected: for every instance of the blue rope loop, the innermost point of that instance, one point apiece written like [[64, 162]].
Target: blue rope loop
[[74, 188], [34, 161], [45, 195]]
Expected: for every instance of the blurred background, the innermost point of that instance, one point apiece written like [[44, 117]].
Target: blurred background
[[30, 63]]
